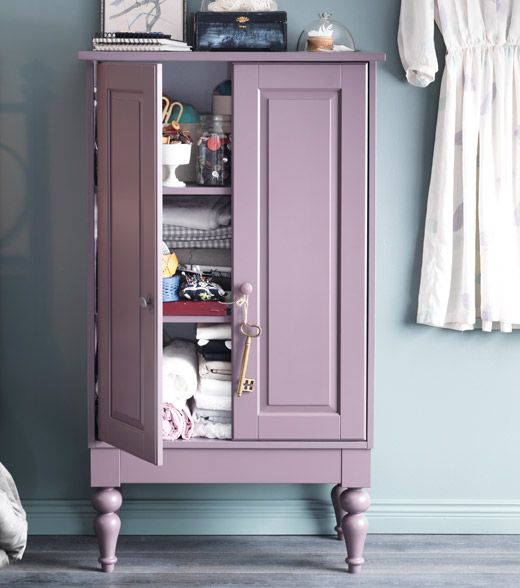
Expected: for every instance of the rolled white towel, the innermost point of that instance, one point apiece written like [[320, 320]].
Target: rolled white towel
[[180, 372], [212, 331]]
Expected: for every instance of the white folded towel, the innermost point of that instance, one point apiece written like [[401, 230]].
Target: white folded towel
[[211, 430], [180, 372], [216, 370], [214, 387], [212, 331], [213, 401], [198, 212], [213, 416]]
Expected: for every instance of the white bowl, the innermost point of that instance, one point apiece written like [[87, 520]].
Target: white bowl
[[172, 156]]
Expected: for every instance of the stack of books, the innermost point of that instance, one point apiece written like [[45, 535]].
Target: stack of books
[[137, 42]]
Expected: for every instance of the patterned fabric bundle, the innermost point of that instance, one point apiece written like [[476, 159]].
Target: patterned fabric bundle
[[176, 423]]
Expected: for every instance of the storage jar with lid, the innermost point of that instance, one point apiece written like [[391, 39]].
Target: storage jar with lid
[[214, 150]]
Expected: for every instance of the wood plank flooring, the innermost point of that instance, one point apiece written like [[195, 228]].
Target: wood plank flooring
[[404, 561]]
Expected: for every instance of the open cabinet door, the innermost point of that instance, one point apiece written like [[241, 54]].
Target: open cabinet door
[[129, 233]]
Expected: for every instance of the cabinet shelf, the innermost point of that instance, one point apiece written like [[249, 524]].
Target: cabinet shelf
[[197, 190], [196, 319]]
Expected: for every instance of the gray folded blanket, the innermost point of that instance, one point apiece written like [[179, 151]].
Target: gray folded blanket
[[13, 520], [198, 212]]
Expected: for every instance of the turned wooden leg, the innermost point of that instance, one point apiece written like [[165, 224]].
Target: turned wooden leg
[[355, 501], [338, 511], [107, 502]]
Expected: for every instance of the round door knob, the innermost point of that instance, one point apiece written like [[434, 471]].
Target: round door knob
[[144, 302], [246, 288]]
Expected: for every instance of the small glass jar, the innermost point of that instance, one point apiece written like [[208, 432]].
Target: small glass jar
[[214, 150], [326, 34]]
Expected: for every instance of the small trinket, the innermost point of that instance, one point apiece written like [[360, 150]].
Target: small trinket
[[326, 34]]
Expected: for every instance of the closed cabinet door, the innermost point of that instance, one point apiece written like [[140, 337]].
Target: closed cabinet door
[[129, 229], [300, 222]]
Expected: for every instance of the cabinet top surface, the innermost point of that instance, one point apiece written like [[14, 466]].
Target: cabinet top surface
[[232, 56]]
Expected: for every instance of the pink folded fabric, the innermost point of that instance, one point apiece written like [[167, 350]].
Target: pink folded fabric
[[176, 422]]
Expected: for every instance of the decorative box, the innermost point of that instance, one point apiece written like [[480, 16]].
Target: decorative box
[[240, 31]]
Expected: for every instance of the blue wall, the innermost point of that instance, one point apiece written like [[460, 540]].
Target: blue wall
[[447, 439]]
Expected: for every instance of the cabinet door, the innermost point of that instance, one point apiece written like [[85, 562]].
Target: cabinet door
[[300, 218], [129, 283]]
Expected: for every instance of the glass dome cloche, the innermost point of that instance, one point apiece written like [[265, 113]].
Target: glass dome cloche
[[326, 34]]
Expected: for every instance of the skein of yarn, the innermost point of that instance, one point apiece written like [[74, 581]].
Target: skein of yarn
[[242, 5]]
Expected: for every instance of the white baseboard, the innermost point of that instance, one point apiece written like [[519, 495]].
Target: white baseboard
[[276, 517]]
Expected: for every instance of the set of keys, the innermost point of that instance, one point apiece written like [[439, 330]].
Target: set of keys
[[249, 331]]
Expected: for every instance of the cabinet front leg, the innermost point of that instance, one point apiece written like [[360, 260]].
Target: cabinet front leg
[[107, 502], [355, 501], [338, 511]]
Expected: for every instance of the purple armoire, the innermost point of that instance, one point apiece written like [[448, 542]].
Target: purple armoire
[[303, 237]]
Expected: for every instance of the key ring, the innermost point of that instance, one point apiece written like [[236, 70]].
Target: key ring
[[256, 328]]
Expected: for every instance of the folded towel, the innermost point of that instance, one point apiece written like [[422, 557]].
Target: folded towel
[[198, 212], [176, 422], [213, 416], [180, 372], [212, 401], [210, 331], [13, 521], [214, 387], [212, 430], [217, 370]]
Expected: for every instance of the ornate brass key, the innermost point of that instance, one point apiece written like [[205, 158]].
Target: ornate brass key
[[246, 384]]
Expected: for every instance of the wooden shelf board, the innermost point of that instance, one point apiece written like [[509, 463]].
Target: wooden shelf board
[[196, 319], [197, 190]]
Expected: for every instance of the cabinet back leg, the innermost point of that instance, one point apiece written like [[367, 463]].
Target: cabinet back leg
[[335, 495], [355, 501], [107, 502]]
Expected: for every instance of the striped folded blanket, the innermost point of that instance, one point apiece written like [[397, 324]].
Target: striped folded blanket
[[184, 238], [174, 232], [202, 244]]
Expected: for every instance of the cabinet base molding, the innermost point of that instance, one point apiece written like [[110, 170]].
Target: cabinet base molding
[[351, 467]]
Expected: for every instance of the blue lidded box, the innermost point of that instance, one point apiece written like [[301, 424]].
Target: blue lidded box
[[240, 31]]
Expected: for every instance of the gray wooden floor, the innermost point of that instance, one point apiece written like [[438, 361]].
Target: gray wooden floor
[[404, 561]]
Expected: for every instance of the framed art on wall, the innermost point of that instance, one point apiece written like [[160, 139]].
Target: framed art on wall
[[144, 16]]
